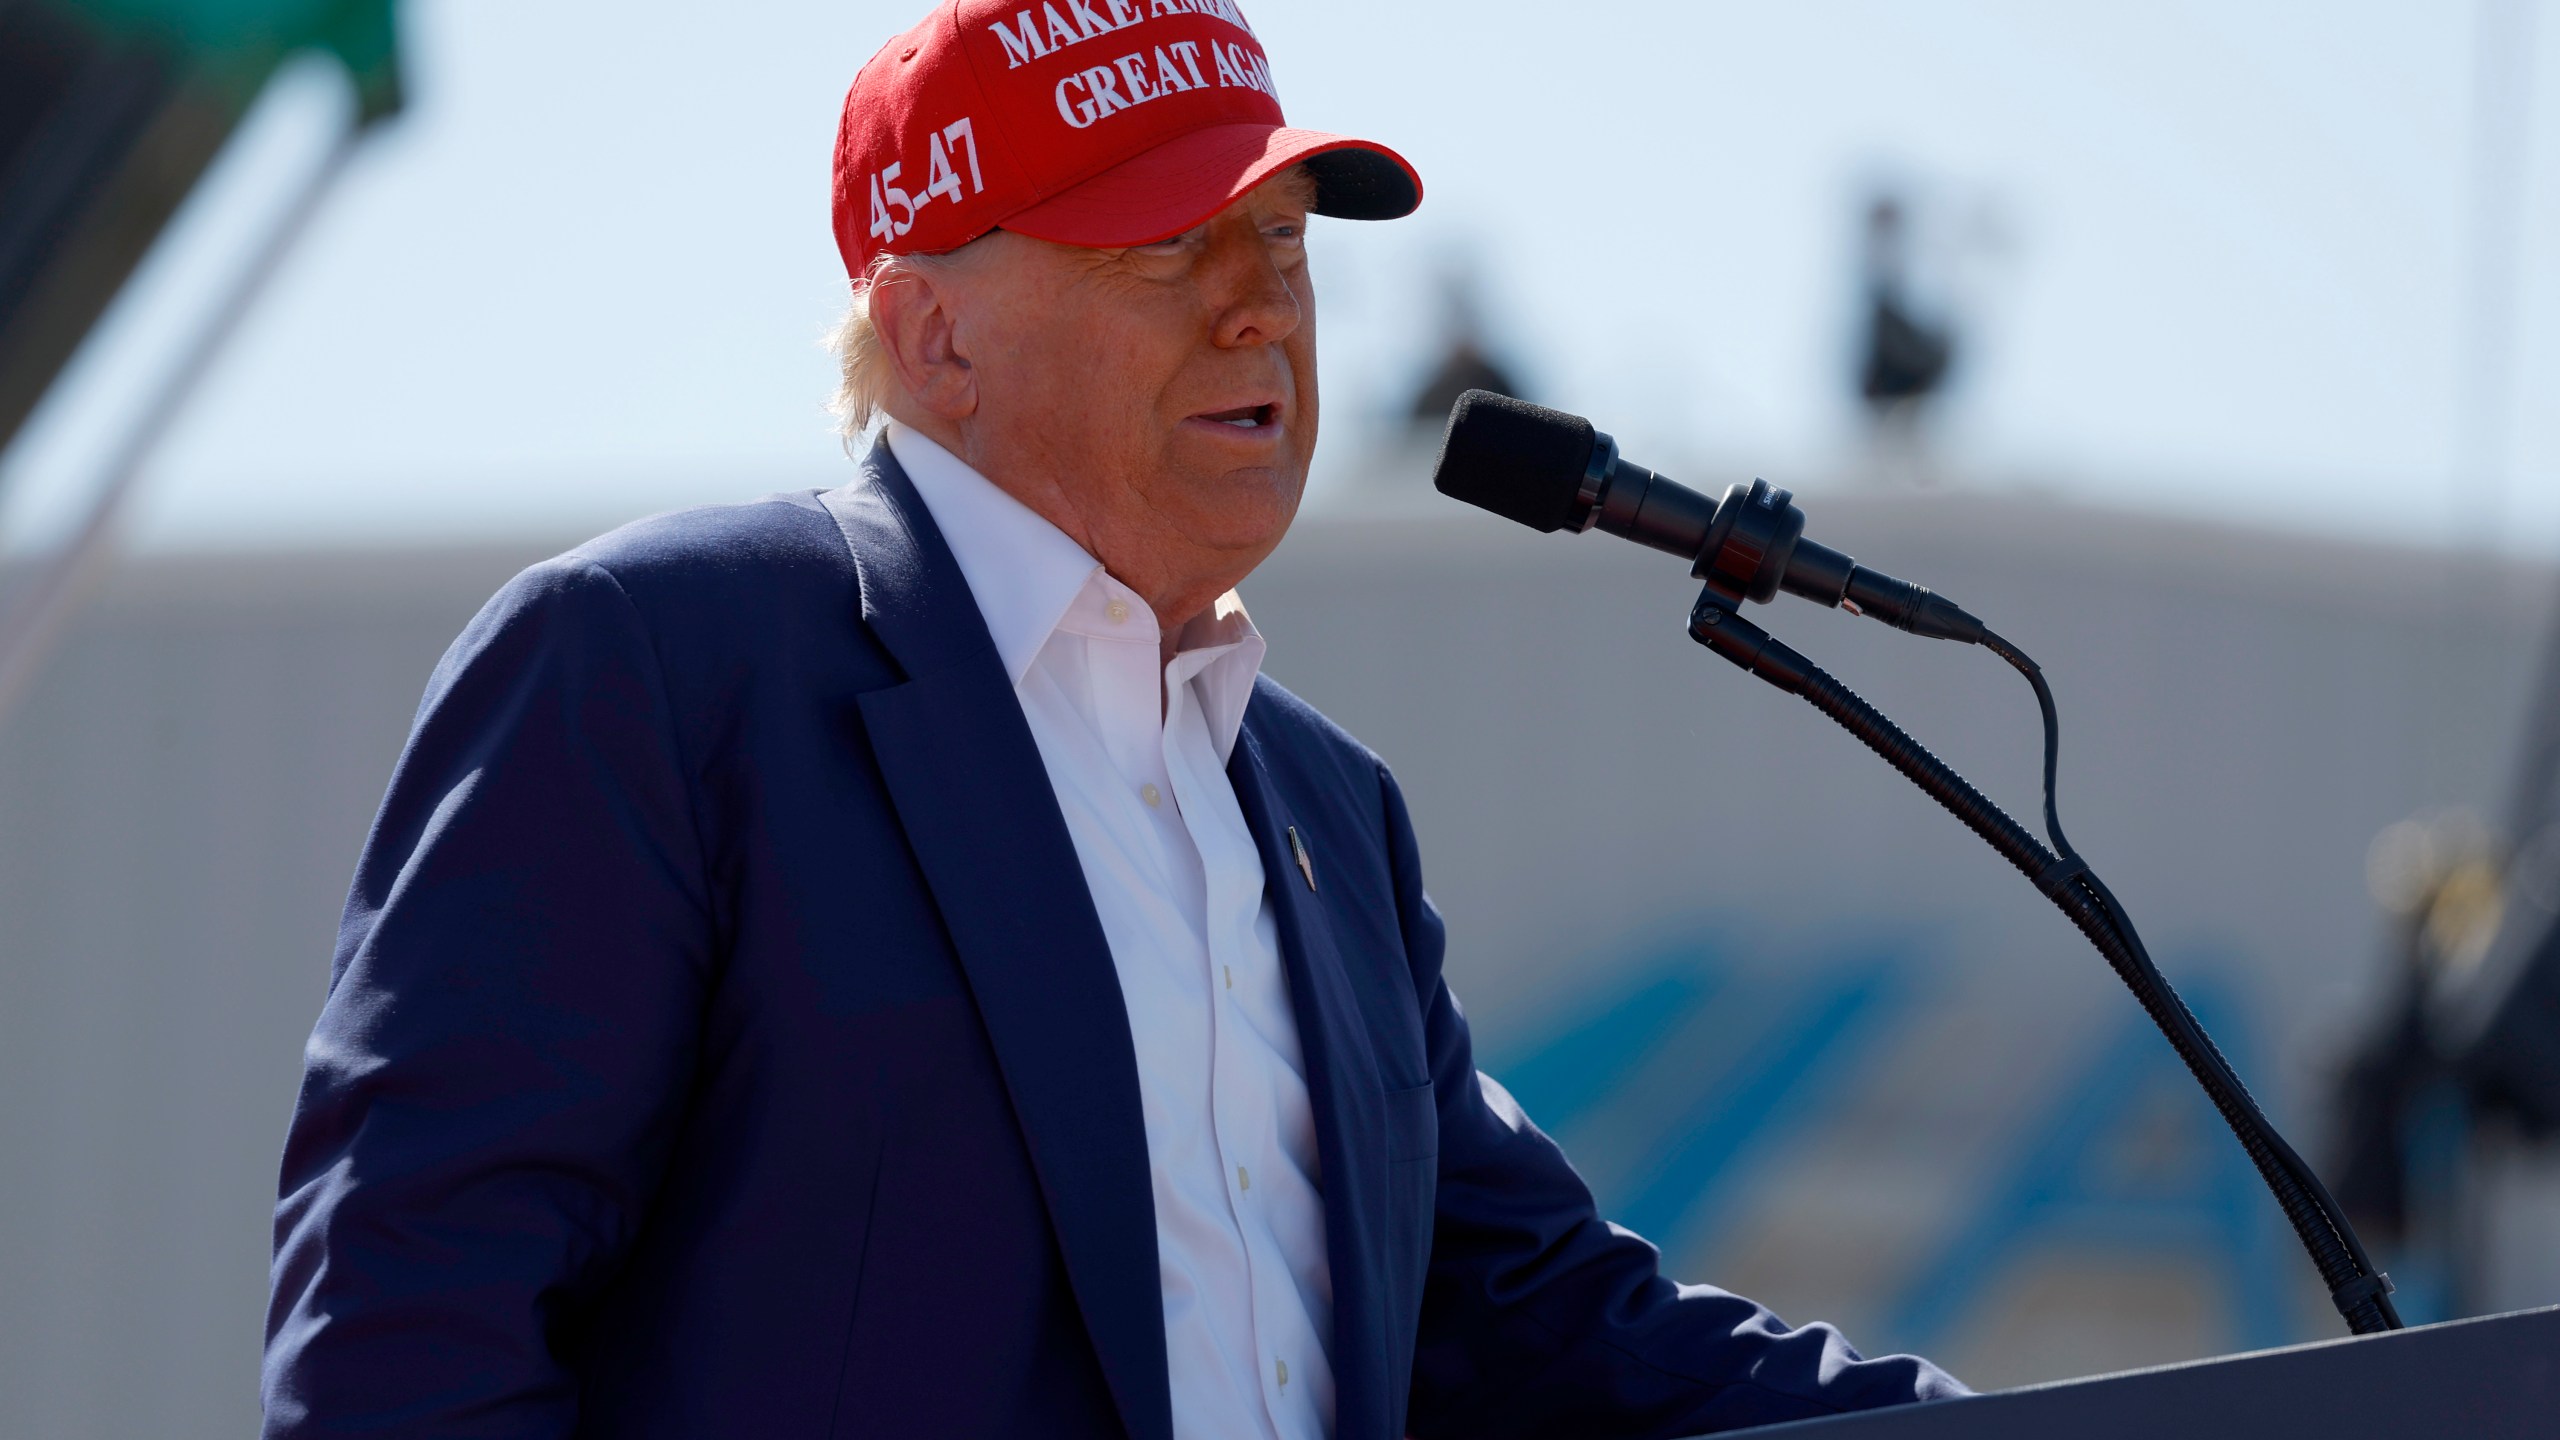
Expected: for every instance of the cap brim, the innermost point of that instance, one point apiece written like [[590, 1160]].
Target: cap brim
[[1189, 178]]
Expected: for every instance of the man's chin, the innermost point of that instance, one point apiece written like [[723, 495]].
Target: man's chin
[[1245, 507]]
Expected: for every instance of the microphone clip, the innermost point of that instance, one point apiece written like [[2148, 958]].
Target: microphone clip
[[1749, 543], [1754, 547]]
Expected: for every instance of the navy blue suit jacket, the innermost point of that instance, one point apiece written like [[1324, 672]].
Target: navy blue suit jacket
[[721, 1042]]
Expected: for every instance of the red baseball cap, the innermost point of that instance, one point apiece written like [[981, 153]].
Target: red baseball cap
[[1086, 122]]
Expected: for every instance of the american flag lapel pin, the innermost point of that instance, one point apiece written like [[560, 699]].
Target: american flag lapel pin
[[1298, 852]]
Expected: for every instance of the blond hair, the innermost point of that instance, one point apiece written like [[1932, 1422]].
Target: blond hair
[[864, 377]]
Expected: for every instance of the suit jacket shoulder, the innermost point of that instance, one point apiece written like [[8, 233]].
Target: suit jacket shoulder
[[740, 604]]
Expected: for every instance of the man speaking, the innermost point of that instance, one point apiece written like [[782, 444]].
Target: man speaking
[[884, 962]]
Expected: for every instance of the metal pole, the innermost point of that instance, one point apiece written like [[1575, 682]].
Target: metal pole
[[2501, 136], [34, 618]]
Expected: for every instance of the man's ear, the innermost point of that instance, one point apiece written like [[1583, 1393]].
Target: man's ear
[[914, 312]]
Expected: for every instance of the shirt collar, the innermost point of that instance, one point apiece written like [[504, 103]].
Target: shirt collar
[[1221, 653], [1023, 570], [1030, 581]]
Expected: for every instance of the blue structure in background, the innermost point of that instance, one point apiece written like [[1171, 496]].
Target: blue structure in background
[[1764, 1055], [2130, 1158], [1566, 1074], [1796, 1060], [1716, 1067]]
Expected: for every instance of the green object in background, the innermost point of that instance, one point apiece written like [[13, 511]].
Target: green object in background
[[110, 112], [242, 41]]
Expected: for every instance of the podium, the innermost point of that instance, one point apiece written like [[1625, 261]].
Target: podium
[[2493, 1378]]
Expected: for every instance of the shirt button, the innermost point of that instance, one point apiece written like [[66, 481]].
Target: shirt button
[[1118, 610], [1243, 1181], [1281, 1367], [1153, 796]]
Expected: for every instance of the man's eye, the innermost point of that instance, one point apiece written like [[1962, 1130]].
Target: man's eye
[[1171, 245]]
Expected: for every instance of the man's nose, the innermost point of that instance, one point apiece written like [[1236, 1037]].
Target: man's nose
[[1254, 304]]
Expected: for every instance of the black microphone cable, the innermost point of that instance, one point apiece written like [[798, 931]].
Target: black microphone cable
[[2361, 1292]]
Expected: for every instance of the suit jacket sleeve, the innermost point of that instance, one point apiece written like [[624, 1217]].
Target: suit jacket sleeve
[[510, 1026], [1540, 1318]]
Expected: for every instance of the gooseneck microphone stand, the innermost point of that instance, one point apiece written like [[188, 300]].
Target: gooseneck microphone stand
[[1551, 471], [2361, 1293]]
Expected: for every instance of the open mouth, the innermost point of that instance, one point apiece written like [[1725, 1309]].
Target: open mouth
[[1245, 417]]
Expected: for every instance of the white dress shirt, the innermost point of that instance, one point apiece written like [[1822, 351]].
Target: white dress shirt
[[1136, 751]]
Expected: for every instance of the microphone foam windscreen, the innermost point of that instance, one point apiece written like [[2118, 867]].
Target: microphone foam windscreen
[[1521, 461]]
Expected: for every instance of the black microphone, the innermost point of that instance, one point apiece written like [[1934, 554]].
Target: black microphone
[[1552, 471]]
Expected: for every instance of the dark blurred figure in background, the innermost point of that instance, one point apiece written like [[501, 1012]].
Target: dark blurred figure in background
[[2457, 1077], [1466, 362], [1905, 354], [2403, 1114]]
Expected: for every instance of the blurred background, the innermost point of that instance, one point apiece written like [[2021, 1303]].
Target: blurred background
[[2206, 350]]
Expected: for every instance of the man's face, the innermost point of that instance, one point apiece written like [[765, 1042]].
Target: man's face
[[1158, 402]]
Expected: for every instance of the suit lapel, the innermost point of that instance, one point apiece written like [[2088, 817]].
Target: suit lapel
[[974, 798], [1342, 1089]]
